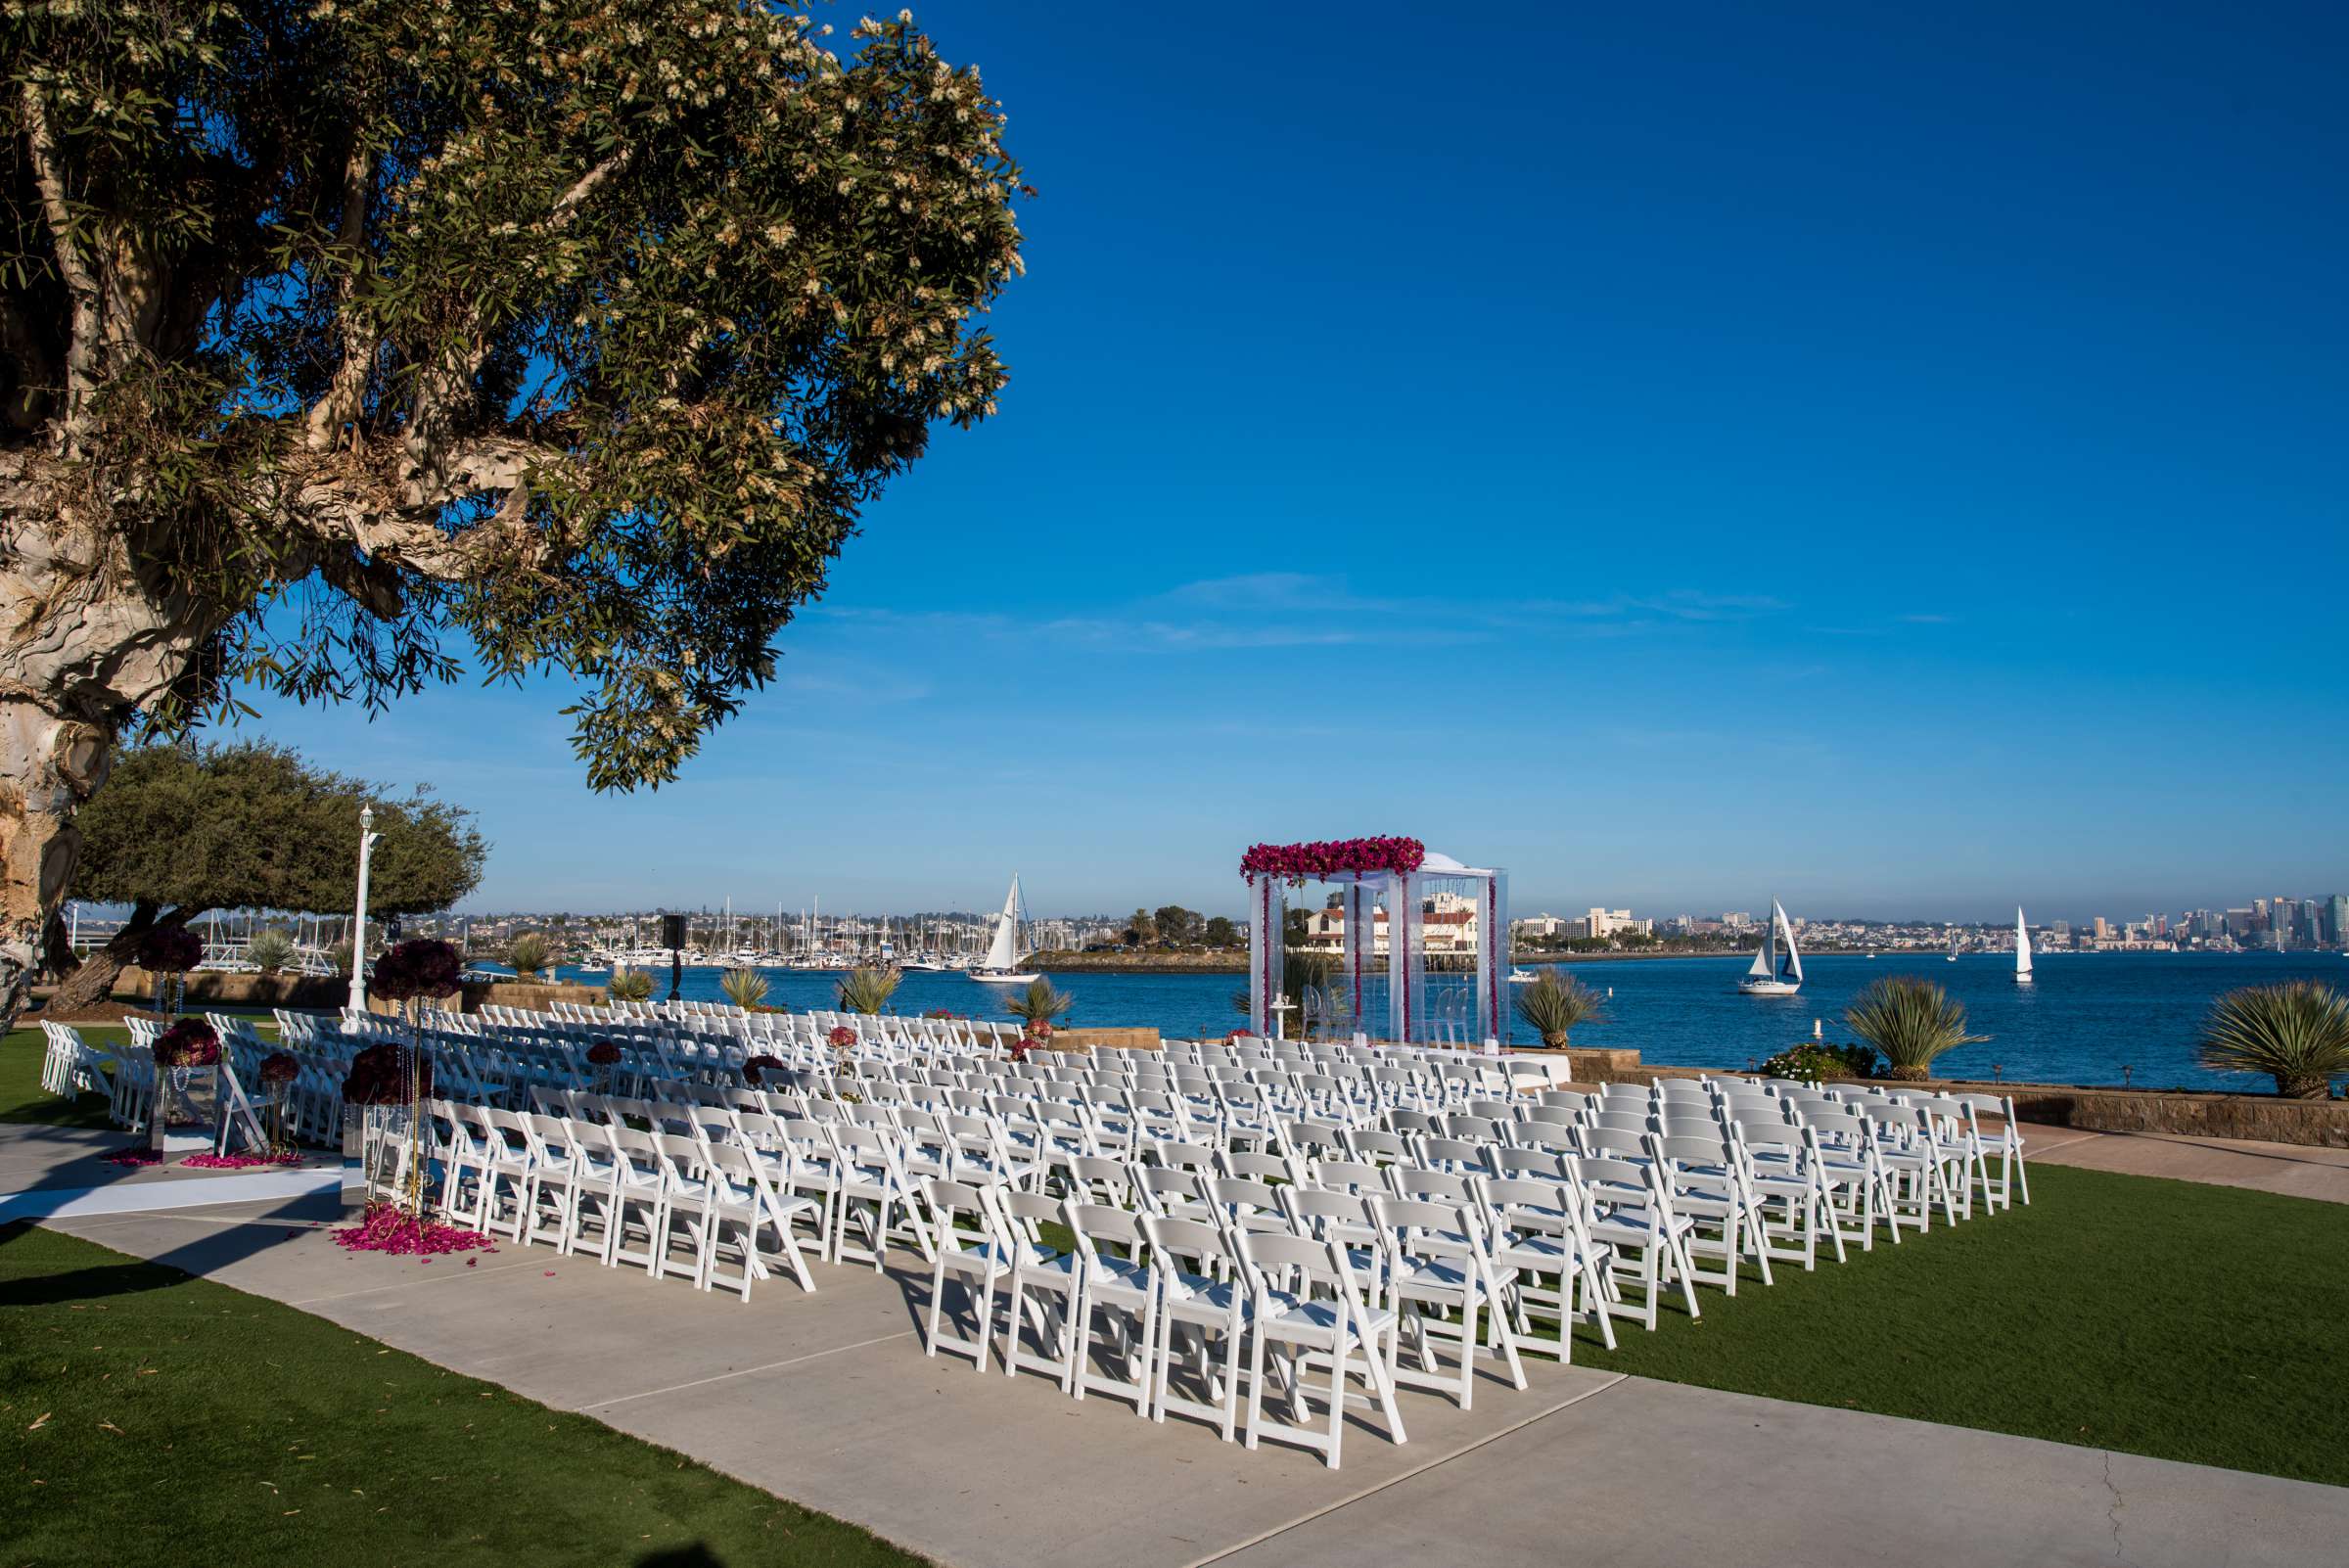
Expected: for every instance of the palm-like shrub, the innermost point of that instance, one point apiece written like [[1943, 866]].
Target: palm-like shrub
[[529, 954], [338, 957], [746, 988], [867, 988], [1041, 1003], [270, 951], [1554, 1004], [1911, 1021], [631, 984], [2298, 1033]]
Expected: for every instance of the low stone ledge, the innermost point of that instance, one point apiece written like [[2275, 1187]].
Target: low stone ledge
[[1106, 1040]]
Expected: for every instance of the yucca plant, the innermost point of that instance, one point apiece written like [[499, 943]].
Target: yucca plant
[[529, 954], [338, 957], [1554, 1004], [2298, 1033], [631, 986], [1043, 1003], [1911, 1021], [270, 951], [746, 988], [867, 988]]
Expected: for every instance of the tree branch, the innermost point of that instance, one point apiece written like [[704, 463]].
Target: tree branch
[[442, 386], [346, 396], [81, 283]]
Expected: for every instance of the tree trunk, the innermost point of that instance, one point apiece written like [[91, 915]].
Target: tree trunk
[[93, 982], [87, 640], [48, 767]]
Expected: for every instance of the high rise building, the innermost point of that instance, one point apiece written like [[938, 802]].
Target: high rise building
[[2337, 931]]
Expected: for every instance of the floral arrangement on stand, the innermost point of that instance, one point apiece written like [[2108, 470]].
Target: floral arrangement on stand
[[756, 1065], [279, 1069], [410, 972], [169, 952], [1303, 863], [843, 1037], [187, 1044], [603, 1056]]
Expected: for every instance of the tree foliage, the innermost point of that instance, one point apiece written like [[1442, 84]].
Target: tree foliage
[[183, 829], [581, 330], [1177, 925]]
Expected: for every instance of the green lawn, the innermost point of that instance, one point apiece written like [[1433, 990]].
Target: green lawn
[[154, 1417], [2160, 1318]]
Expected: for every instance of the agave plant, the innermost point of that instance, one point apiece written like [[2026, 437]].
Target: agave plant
[[338, 957], [529, 954], [1041, 1003], [630, 984], [1911, 1021], [2298, 1033], [270, 951], [746, 988], [867, 988], [1554, 1004]]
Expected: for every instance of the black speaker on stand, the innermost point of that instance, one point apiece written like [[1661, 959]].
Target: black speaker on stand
[[673, 937]]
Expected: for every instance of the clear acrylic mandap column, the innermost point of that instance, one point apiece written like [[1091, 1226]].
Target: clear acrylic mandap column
[[1268, 910]]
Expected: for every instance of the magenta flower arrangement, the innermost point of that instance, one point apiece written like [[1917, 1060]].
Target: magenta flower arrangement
[[1023, 1045], [760, 1064], [238, 1161], [1300, 863], [390, 1229], [170, 950], [941, 1012], [603, 1053], [423, 968], [190, 1042], [140, 1155], [379, 1076], [280, 1068], [843, 1037]]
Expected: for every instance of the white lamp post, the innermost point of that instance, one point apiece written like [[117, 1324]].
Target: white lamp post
[[359, 925]]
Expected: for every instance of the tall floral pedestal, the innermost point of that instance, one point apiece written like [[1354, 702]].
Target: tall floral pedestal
[[187, 1111]]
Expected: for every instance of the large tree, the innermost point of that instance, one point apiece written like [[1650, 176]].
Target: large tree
[[182, 830], [336, 336]]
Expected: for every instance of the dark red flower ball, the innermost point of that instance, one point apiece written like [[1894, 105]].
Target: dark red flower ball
[[190, 1042], [603, 1053], [379, 1076], [422, 967], [280, 1068], [170, 950], [758, 1065]]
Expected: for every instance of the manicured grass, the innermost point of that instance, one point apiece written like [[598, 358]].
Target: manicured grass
[[2160, 1318], [152, 1417], [22, 1097]]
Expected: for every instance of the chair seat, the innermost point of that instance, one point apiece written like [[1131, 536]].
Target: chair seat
[[1315, 1322]]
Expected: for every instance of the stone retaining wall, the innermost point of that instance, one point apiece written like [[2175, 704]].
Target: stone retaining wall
[[215, 988]]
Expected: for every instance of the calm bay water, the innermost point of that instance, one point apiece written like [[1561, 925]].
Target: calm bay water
[[2089, 1016]]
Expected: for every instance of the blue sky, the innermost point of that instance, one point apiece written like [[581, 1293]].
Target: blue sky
[[1894, 461]]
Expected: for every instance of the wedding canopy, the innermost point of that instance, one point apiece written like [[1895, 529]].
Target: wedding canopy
[[1398, 879]]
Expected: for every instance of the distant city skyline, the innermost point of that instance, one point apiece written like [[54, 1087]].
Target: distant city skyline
[[1742, 467]]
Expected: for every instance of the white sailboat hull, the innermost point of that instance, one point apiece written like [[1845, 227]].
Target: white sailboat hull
[[1769, 987], [1003, 977]]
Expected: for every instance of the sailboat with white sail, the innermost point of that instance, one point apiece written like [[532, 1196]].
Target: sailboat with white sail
[[1952, 958], [1002, 964], [2022, 949], [1774, 973]]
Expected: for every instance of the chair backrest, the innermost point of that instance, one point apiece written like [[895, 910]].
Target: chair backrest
[[1313, 1210], [1433, 1187]]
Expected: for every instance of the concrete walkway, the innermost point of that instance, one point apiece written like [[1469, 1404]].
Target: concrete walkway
[[827, 1400], [2296, 1169]]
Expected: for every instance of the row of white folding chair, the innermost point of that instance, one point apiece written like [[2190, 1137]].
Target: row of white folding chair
[[1162, 1287], [593, 1185]]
